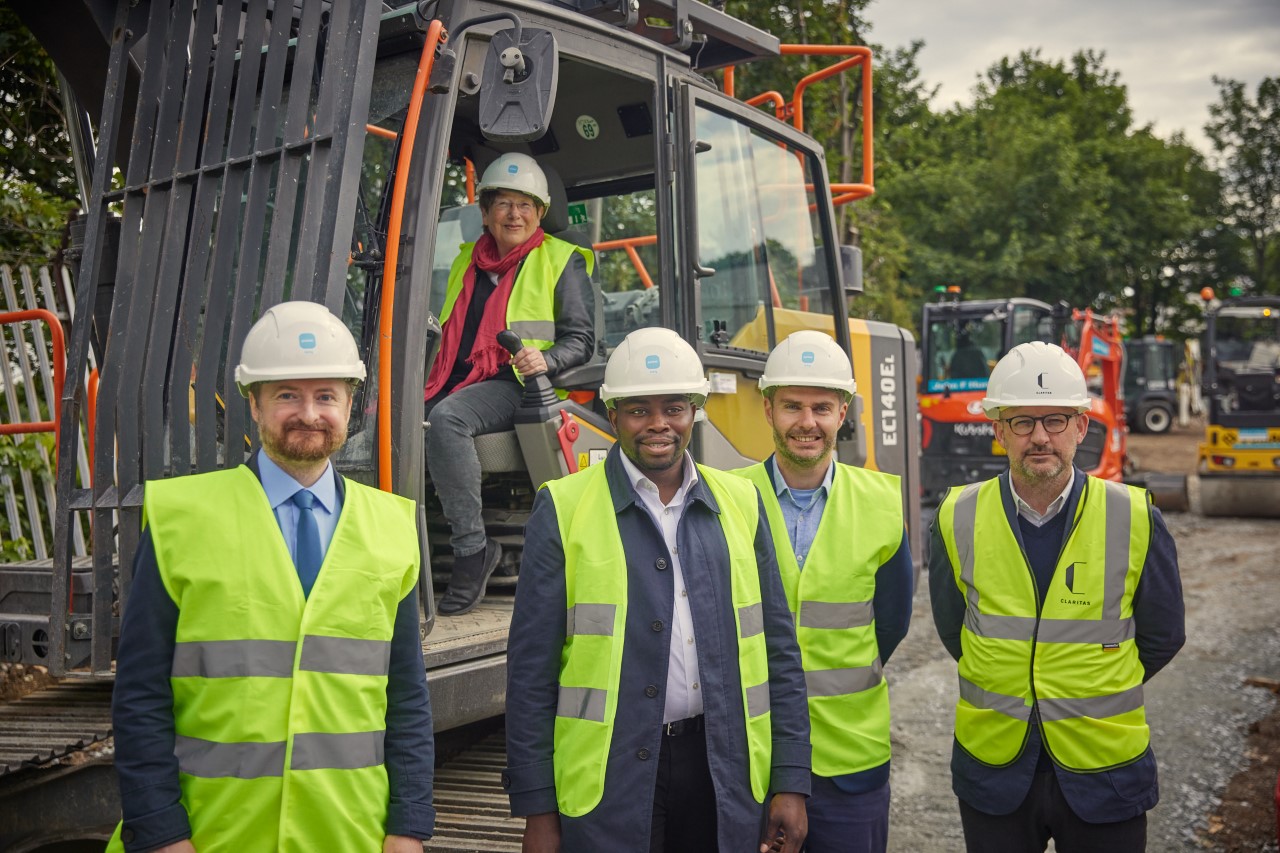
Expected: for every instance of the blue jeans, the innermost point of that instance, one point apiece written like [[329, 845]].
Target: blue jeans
[[456, 419], [840, 822]]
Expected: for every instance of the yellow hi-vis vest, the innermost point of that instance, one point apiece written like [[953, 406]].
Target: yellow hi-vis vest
[[831, 601], [531, 308], [596, 619], [280, 701], [1075, 661]]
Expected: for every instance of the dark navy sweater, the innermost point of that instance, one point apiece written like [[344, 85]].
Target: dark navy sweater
[[1107, 796]]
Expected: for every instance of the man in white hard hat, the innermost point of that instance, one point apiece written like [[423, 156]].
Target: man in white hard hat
[[655, 698], [1059, 596], [270, 692], [517, 277], [846, 568]]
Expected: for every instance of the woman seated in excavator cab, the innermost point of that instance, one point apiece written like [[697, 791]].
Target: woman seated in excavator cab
[[514, 277]]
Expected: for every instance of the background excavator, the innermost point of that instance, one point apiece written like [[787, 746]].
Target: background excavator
[[961, 341]]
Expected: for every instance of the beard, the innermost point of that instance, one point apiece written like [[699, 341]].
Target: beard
[[826, 442], [1043, 472], [299, 442]]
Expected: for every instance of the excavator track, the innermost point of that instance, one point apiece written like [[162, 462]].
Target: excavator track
[[53, 723], [472, 811]]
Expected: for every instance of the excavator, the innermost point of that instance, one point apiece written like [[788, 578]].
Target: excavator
[[1239, 459], [234, 155], [961, 341]]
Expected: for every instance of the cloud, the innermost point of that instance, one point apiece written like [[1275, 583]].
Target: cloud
[[1165, 51]]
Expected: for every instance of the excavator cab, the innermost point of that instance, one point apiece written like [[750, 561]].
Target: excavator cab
[[1239, 460]]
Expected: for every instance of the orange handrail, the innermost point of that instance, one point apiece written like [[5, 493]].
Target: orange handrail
[[435, 35], [471, 181], [374, 130], [91, 413], [629, 244], [55, 333], [858, 55], [779, 104]]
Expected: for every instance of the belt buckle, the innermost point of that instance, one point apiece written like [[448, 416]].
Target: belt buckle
[[667, 728]]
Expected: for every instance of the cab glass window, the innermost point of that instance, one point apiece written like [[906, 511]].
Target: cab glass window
[[758, 228]]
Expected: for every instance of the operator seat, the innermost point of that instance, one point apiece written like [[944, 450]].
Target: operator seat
[[969, 362]]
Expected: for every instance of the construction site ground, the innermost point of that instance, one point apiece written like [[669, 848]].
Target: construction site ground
[[1216, 735]]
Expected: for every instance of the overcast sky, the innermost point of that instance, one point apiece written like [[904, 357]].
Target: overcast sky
[[1165, 51]]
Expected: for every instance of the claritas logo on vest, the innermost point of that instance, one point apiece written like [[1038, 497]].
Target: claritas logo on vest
[[1071, 587]]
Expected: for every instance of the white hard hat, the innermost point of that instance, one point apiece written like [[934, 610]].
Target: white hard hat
[[809, 358], [650, 362], [297, 340], [519, 173], [1035, 374]]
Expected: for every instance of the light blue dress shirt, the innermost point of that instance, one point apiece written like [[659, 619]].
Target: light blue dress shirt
[[801, 510], [280, 487]]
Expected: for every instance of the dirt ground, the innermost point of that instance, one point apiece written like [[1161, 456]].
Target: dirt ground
[[1217, 739]]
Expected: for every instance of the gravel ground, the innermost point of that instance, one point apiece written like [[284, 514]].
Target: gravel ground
[[1198, 707]]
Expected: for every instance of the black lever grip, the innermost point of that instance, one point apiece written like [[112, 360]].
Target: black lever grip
[[510, 341]]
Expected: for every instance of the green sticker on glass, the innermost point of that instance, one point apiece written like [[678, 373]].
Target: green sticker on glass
[[578, 213]]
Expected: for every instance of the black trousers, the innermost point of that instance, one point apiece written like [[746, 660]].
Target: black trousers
[[1045, 814], [684, 798]]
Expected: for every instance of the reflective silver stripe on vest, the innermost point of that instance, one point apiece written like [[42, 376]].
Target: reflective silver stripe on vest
[[581, 703], [1010, 706], [346, 751], [836, 615], [965, 521], [1119, 524], [1085, 631], [212, 760], [344, 655], [999, 627], [751, 620], [758, 700], [234, 659], [841, 682], [594, 619], [1097, 707], [535, 330]]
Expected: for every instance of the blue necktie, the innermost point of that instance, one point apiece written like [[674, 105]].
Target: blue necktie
[[307, 545]]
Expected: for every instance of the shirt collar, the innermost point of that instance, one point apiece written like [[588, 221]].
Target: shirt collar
[[780, 483], [280, 486], [640, 482], [1055, 506]]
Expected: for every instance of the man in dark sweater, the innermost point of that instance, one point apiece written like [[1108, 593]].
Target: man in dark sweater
[[1058, 595]]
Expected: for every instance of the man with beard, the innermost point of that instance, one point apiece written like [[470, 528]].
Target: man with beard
[[270, 692], [654, 692], [1058, 594], [846, 568]]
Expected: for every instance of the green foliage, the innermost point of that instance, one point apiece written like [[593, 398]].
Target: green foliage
[[1246, 137], [18, 454], [37, 179]]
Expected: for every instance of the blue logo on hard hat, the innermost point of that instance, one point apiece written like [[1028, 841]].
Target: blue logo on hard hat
[[807, 357], [512, 169], [651, 362], [306, 340]]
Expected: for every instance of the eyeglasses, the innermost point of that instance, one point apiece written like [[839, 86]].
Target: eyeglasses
[[524, 208], [1025, 424]]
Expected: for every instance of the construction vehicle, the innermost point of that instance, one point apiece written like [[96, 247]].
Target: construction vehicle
[[246, 153], [1150, 383], [961, 341], [1239, 459]]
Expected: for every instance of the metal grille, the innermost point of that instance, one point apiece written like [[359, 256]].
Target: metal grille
[[237, 191], [52, 723]]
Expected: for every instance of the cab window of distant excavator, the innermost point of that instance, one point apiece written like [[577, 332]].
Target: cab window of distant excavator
[[758, 228]]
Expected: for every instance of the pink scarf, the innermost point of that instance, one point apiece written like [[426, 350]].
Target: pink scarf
[[487, 355]]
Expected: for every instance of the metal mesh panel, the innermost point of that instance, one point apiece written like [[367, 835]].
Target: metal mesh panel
[[238, 191]]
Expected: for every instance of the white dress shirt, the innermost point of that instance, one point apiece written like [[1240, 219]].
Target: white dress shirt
[[1029, 512], [683, 696]]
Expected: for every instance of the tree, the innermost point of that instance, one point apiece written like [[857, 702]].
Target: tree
[[37, 179], [1246, 138]]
